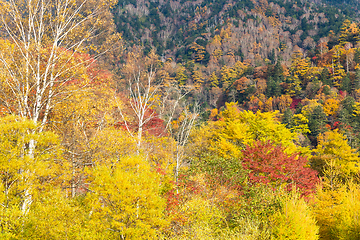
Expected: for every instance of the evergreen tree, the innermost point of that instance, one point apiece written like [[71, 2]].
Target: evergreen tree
[[273, 87], [356, 83], [325, 77], [286, 119], [346, 84], [317, 121]]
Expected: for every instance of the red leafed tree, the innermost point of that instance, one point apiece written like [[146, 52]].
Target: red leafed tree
[[269, 164], [154, 126]]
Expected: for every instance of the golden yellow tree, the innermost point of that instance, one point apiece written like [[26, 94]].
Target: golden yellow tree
[[295, 220], [126, 201], [333, 151], [235, 129], [338, 71], [299, 68], [24, 177], [337, 209]]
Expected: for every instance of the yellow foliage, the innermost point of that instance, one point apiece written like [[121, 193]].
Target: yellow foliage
[[331, 106], [309, 108], [106, 147], [235, 129], [300, 124], [214, 113], [338, 211], [269, 105], [299, 65], [198, 79], [25, 174], [126, 201], [294, 221], [338, 69], [159, 151], [313, 73], [295, 86], [199, 51], [356, 109], [333, 150], [54, 216], [218, 53], [204, 219]]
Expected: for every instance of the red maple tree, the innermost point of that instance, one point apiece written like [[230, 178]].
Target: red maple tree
[[269, 164]]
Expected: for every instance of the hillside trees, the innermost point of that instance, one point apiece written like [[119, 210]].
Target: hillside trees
[[333, 151], [239, 175], [245, 163], [83, 118], [294, 220], [337, 209]]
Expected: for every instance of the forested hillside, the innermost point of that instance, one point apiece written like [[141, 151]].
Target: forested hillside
[[172, 27], [179, 119]]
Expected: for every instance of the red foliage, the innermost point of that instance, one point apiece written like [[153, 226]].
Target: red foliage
[[172, 201], [269, 164], [336, 125], [155, 126], [160, 170], [178, 217], [342, 93], [295, 102]]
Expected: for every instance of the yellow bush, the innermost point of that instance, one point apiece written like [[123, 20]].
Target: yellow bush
[[338, 212], [295, 220]]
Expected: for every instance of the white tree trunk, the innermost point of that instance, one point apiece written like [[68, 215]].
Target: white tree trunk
[[40, 59]]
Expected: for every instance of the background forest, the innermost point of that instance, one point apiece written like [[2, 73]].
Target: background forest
[[179, 119]]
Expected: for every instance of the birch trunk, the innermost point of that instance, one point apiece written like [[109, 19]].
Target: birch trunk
[[43, 39]]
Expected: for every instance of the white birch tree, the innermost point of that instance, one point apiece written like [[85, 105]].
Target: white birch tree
[[186, 122], [150, 96], [43, 50], [44, 42]]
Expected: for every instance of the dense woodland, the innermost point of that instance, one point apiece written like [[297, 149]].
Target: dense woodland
[[179, 119]]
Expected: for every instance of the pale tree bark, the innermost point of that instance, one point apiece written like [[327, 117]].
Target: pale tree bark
[[150, 98], [164, 101], [42, 57], [43, 40], [182, 135]]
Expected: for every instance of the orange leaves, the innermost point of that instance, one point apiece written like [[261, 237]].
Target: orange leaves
[[323, 47], [241, 84], [268, 163]]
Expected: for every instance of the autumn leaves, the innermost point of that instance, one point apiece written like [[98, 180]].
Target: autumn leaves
[[86, 155]]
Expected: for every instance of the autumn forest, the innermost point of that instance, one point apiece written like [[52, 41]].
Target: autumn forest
[[157, 119]]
